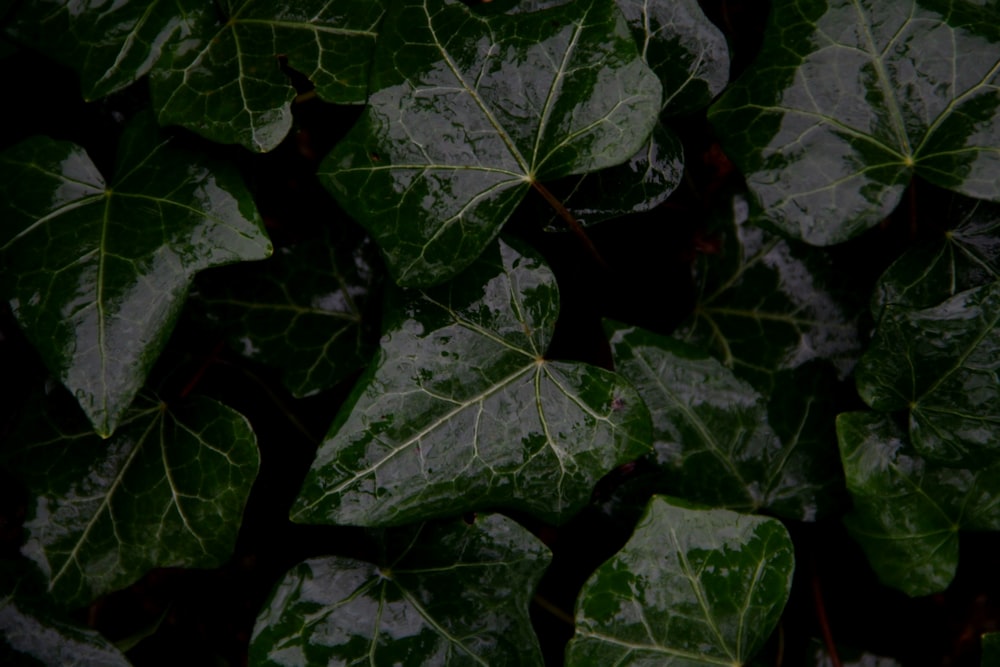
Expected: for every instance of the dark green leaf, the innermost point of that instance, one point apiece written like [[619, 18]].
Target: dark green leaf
[[225, 82], [692, 587], [167, 490], [991, 649], [32, 639], [110, 44], [850, 98], [467, 112], [962, 258], [303, 310], [907, 512], [446, 594], [711, 432], [460, 410], [96, 274], [941, 364]]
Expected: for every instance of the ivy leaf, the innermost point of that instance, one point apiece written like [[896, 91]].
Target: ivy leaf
[[97, 274], [850, 98], [941, 364], [460, 411], [991, 649], [167, 490], [110, 45], [468, 112], [766, 305], [304, 310], [962, 258], [692, 587], [711, 430], [28, 637], [224, 81], [907, 511], [447, 593]]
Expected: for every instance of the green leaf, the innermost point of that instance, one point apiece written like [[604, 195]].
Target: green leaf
[[445, 594], [96, 274], [167, 490], [991, 649], [941, 364], [29, 639], [850, 98], [687, 52], [712, 435], [460, 410], [766, 305], [692, 587], [224, 81], [467, 112], [961, 258], [907, 511], [110, 45], [304, 310]]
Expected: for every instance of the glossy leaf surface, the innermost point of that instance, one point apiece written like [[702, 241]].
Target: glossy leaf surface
[[907, 511], [110, 45], [711, 430], [467, 111], [446, 594], [167, 490], [850, 98], [96, 273], [461, 411], [692, 587], [225, 82], [304, 310], [29, 638], [941, 364]]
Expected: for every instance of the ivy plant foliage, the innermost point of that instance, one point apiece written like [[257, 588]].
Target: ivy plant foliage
[[991, 648], [692, 587], [96, 273], [461, 411], [850, 99], [444, 593], [712, 435], [167, 490], [468, 112], [907, 510]]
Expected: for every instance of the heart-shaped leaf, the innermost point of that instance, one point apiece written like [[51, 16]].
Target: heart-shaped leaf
[[460, 410], [167, 490], [468, 112], [941, 364], [303, 310], [96, 274], [445, 594], [907, 512], [692, 587], [224, 79], [711, 432], [850, 98]]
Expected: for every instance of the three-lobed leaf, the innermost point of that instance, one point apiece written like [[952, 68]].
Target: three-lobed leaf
[[96, 273], [445, 593], [691, 587], [461, 411]]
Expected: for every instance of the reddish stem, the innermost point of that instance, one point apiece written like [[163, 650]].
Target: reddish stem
[[572, 222], [824, 623], [209, 360]]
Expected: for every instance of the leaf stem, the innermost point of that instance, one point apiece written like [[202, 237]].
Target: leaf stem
[[571, 222], [556, 611], [824, 623], [200, 373]]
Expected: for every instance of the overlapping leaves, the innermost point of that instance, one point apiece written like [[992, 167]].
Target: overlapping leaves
[[467, 112], [167, 490], [692, 587], [96, 274], [849, 99], [449, 593], [460, 410]]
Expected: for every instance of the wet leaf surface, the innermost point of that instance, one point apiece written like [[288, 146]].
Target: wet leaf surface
[[446, 593], [96, 273], [692, 587], [461, 411], [850, 99]]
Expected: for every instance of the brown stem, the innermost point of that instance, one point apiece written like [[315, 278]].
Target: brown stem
[[570, 221], [912, 193], [211, 359], [553, 609], [824, 623]]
